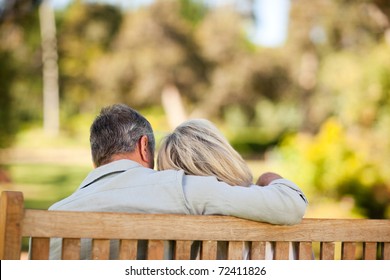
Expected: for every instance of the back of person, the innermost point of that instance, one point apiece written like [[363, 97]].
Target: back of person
[[126, 186], [198, 148]]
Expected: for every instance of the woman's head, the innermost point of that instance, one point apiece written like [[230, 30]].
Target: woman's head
[[198, 147]]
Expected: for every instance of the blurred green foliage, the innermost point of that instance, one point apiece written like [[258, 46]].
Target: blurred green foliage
[[316, 109], [42, 191], [334, 163], [20, 71]]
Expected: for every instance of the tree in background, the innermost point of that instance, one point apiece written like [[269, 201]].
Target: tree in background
[[16, 28], [153, 50], [19, 60], [85, 32], [51, 103]]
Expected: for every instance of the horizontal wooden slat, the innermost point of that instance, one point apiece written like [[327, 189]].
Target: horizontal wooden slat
[[193, 227]]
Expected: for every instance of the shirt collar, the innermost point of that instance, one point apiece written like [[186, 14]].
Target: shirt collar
[[117, 166]]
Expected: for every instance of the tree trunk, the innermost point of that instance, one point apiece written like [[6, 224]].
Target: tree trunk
[[173, 106], [50, 69]]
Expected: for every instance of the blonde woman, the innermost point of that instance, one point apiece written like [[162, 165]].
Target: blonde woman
[[198, 148]]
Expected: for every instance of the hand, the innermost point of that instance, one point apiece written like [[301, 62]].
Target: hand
[[266, 178]]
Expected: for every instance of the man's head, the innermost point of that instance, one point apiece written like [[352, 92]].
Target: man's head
[[119, 131]]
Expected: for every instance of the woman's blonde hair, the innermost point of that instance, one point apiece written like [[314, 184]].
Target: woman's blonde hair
[[199, 148]]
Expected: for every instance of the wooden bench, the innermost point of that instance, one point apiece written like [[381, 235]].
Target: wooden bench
[[323, 239]]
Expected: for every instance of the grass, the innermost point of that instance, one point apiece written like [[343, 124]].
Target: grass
[[44, 184]]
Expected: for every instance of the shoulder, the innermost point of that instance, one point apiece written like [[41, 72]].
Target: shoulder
[[287, 184]]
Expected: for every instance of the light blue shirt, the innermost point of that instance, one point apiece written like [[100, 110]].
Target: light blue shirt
[[126, 186]]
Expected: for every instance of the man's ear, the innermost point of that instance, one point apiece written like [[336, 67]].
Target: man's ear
[[144, 149]]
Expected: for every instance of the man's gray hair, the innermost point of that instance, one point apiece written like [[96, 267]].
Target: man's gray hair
[[116, 130]]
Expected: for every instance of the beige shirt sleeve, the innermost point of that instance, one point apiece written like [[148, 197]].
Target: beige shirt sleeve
[[281, 202]]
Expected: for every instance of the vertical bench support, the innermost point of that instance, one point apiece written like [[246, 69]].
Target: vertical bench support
[[11, 214]]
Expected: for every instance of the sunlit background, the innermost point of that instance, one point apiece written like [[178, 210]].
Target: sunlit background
[[299, 87]]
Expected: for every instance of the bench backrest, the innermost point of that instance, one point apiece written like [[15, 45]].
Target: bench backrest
[[324, 239]]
